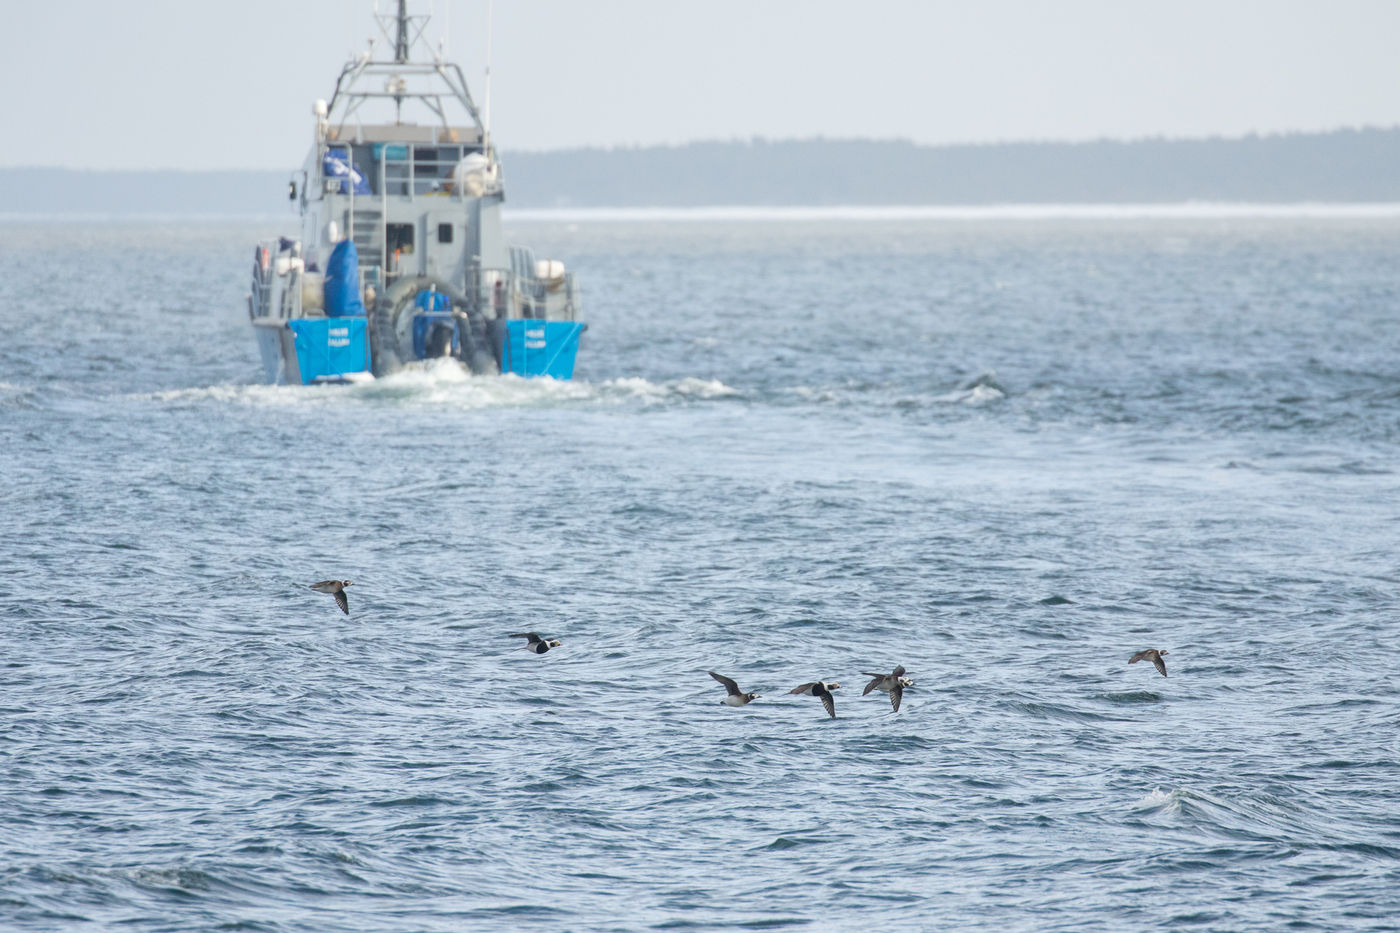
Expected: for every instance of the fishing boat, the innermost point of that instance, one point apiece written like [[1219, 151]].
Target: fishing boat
[[401, 256]]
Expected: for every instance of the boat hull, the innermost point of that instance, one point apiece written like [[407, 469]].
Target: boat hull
[[310, 350], [540, 348]]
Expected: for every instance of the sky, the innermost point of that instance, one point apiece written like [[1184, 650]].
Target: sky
[[219, 84]]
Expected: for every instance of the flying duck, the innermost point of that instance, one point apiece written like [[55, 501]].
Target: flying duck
[[1153, 655], [893, 684], [736, 696], [337, 589], [820, 689], [537, 644]]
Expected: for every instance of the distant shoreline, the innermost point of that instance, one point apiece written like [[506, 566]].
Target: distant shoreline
[[855, 213], [1186, 210], [1343, 167]]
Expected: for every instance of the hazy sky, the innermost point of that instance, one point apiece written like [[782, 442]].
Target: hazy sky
[[206, 84]]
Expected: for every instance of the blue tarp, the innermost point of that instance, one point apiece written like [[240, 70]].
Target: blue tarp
[[540, 348], [336, 164], [342, 289], [430, 300], [330, 347], [423, 325]]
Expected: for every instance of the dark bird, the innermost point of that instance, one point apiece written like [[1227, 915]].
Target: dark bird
[[820, 689], [893, 684], [736, 696], [337, 589], [1153, 655], [537, 644]]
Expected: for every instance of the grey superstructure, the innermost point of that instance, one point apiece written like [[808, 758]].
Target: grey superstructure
[[421, 205]]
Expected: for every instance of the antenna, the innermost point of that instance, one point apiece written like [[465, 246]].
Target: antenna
[[401, 42], [486, 110]]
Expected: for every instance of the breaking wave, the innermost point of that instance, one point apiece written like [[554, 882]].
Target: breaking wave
[[445, 383]]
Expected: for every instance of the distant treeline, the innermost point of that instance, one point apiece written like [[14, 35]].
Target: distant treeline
[[1344, 165]]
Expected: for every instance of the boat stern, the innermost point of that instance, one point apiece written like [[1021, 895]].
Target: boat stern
[[540, 348]]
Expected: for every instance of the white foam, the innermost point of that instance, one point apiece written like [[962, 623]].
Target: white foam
[[812, 393], [703, 388], [446, 383], [1160, 799], [977, 395]]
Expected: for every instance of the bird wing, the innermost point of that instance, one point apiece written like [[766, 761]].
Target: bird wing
[[1139, 656], [873, 684], [324, 586], [896, 694], [729, 685], [830, 703], [342, 601], [1161, 665], [803, 688], [530, 635]]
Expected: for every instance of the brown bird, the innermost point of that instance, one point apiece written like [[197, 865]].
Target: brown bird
[[1153, 655], [337, 589], [736, 696], [819, 689], [893, 684]]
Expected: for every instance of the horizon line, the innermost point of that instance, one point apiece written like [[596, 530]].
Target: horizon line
[[1178, 210], [1251, 135]]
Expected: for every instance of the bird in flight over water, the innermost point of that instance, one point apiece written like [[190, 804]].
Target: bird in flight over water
[[820, 689], [736, 696], [337, 589], [1153, 655], [537, 644], [893, 684]]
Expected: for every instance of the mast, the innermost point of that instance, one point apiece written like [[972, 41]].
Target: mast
[[401, 29], [401, 42]]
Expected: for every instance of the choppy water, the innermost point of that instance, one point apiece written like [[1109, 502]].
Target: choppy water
[[1005, 453]]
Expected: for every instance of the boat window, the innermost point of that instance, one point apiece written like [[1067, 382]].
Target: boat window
[[444, 233], [399, 238]]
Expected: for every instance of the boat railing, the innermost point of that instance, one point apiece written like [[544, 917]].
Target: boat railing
[[523, 295], [276, 291], [497, 293], [260, 295]]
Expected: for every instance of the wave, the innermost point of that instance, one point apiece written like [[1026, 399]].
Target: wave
[[1255, 817], [446, 383], [18, 397], [980, 391], [979, 394]]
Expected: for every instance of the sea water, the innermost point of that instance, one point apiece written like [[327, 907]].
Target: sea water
[[1005, 451]]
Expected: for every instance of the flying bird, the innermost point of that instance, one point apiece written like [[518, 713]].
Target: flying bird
[[537, 644], [736, 696], [1153, 655], [337, 589], [820, 689], [893, 684]]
